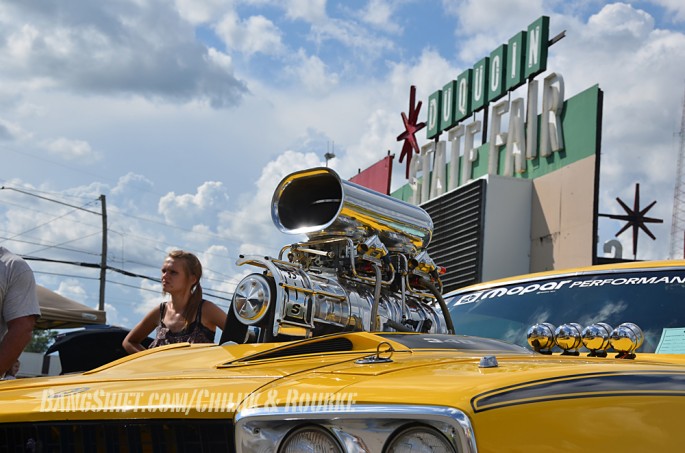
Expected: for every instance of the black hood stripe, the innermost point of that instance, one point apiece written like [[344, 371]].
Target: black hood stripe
[[647, 383]]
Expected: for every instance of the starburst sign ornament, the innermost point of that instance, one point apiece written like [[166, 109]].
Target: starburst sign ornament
[[635, 218], [411, 127]]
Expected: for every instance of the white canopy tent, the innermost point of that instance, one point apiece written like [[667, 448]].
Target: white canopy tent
[[59, 312]]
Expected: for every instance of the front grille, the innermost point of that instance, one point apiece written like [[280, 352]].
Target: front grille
[[134, 436]]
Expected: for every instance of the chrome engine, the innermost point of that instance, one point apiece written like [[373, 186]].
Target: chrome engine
[[364, 266]]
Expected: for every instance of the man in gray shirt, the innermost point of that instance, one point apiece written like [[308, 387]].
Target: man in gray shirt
[[18, 307]]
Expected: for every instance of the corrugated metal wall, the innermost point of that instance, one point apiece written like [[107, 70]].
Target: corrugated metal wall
[[457, 242]]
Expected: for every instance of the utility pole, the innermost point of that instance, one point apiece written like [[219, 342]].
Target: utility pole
[[103, 259]]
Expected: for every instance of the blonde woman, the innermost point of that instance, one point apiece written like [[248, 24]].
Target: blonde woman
[[186, 316]]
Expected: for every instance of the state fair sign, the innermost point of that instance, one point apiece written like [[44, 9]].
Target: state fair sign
[[489, 133]]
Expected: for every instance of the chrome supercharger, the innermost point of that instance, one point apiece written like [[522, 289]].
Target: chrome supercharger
[[363, 267]]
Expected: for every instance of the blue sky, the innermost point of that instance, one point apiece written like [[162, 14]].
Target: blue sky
[[185, 114]]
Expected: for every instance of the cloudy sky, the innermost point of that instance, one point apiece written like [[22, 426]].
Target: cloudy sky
[[185, 115]]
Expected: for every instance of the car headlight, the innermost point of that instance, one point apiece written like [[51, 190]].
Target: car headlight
[[419, 438], [310, 438], [357, 428]]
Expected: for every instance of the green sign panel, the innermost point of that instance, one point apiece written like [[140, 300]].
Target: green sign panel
[[506, 68], [464, 95], [498, 65], [516, 51], [449, 100], [479, 92], [580, 127], [536, 55]]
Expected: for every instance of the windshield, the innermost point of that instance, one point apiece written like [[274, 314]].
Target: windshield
[[653, 299]]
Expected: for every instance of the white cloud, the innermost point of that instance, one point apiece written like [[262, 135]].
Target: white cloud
[[251, 224], [126, 48], [429, 73], [309, 10], [351, 35], [30, 110], [200, 11], [72, 289], [150, 296], [674, 6], [11, 131], [129, 179], [619, 26], [217, 273], [71, 149], [20, 43], [256, 34], [311, 73], [378, 13], [115, 318], [220, 59], [187, 209], [492, 17]]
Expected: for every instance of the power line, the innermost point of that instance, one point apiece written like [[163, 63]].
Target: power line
[[46, 198], [60, 274], [121, 271], [104, 266], [67, 242], [89, 265], [116, 210], [40, 225], [52, 246]]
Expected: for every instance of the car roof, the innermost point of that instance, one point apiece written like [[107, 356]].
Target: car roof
[[571, 272]]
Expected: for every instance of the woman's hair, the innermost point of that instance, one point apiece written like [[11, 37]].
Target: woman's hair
[[192, 267]]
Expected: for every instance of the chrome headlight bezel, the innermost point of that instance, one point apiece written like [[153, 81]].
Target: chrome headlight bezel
[[358, 428]]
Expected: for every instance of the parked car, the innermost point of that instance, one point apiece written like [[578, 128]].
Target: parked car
[[650, 295], [90, 347], [343, 344]]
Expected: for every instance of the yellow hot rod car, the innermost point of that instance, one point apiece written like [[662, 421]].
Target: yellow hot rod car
[[344, 344]]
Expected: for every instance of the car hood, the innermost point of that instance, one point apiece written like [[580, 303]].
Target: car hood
[[210, 381]]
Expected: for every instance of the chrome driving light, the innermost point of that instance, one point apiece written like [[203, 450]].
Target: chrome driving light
[[596, 339], [417, 439], [569, 338], [541, 337], [626, 339], [251, 299], [310, 438]]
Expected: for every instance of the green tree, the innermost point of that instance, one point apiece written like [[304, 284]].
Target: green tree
[[41, 340]]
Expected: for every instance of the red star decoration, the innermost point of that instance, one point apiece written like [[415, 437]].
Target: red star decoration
[[635, 218], [411, 127]]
